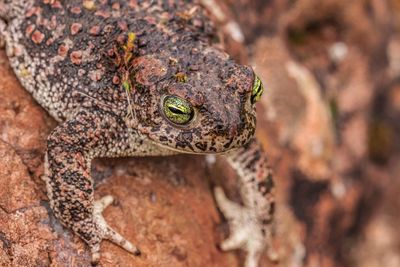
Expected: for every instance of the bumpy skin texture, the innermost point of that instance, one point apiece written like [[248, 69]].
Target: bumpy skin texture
[[102, 69]]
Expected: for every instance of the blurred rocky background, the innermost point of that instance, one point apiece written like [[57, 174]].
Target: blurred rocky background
[[329, 121]]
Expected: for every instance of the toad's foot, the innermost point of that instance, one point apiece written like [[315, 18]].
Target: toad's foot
[[106, 232], [247, 230]]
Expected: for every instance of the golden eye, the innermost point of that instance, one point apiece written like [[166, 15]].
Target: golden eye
[[257, 91], [178, 110]]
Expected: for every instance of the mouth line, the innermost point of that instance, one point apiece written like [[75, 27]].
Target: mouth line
[[193, 152]]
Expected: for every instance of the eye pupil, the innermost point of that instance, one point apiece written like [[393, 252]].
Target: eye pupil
[[175, 110]]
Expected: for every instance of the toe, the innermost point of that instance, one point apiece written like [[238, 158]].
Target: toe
[[107, 232], [273, 255], [233, 242], [229, 208], [100, 205], [95, 250], [104, 202], [254, 247], [119, 240], [252, 259]]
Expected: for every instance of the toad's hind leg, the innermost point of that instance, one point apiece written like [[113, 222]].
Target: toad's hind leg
[[70, 149], [250, 223]]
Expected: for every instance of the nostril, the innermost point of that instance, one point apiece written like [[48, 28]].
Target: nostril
[[219, 128]]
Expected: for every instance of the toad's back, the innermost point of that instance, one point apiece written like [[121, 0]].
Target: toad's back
[[69, 54]]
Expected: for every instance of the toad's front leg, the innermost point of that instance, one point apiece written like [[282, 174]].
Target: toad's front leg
[[70, 149], [250, 223]]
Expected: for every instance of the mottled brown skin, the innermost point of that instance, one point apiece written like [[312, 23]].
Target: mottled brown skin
[[76, 58]]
